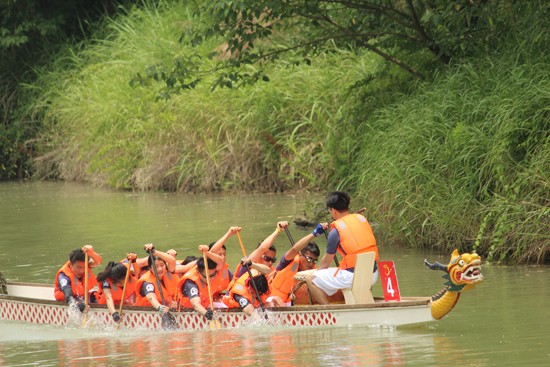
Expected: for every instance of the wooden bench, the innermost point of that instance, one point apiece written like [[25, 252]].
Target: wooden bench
[[361, 289]]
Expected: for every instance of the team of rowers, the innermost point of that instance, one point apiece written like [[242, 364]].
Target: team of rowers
[[203, 283]]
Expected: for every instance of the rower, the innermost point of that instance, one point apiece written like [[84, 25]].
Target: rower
[[193, 286], [147, 289], [301, 257], [69, 280]]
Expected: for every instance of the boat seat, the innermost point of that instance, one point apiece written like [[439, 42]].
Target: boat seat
[[361, 289], [31, 290]]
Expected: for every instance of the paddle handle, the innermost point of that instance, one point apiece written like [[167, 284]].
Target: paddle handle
[[124, 288], [154, 266], [250, 276], [86, 276], [255, 289], [241, 243], [86, 295], [207, 272], [289, 236]]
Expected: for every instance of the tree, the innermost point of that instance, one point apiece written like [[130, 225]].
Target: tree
[[256, 32], [31, 32]]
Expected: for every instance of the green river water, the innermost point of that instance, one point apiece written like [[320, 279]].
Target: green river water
[[503, 322]]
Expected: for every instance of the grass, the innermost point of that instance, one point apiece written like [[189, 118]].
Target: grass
[[462, 163]]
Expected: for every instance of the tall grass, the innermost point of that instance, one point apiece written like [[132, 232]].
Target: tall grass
[[262, 137], [464, 163]]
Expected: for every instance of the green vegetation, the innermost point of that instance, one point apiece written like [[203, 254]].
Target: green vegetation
[[31, 32], [471, 148], [458, 159]]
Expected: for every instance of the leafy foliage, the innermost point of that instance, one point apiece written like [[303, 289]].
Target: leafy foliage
[[31, 32], [252, 32]]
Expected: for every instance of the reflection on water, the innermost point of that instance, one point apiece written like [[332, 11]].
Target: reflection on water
[[335, 346], [238, 347], [502, 322]]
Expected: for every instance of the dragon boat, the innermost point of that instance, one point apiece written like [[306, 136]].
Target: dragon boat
[[34, 303]]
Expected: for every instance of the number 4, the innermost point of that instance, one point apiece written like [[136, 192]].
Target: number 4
[[389, 288]]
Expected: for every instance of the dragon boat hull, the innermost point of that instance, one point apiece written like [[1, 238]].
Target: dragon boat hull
[[33, 303]]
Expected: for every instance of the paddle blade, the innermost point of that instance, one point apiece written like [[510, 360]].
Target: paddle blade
[[169, 322], [85, 319], [214, 324]]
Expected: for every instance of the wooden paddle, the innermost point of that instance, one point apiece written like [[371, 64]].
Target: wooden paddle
[[292, 243], [213, 324], [168, 320], [86, 295], [123, 293], [250, 276]]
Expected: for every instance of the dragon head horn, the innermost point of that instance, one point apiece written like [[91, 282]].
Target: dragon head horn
[[435, 266]]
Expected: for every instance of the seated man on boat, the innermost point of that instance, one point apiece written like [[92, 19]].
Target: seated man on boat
[[69, 280], [249, 293], [302, 256], [148, 292], [350, 235], [115, 282], [193, 286]]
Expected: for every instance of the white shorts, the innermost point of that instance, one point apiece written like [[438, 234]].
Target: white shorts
[[330, 284]]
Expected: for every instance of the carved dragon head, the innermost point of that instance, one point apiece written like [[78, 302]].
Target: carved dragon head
[[463, 271]]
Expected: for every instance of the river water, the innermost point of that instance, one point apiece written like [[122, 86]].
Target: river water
[[503, 322]]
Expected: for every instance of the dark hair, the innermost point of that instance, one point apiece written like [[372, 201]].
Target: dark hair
[[77, 255], [211, 264], [313, 248], [114, 271], [271, 248], [338, 200], [150, 262], [188, 259], [213, 243], [261, 283]]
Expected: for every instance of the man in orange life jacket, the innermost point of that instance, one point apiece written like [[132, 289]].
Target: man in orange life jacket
[[69, 280], [302, 256], [219, 248], [264, 254], [350, 235], [194, 287], [147, 292]]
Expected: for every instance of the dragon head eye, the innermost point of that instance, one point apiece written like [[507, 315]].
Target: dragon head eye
[[461, 263]]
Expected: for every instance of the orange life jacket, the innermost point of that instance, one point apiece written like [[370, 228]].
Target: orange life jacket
[[356, 237], [236, 277], [282, 281], [77, 285], [169, 283], [116, 292], [241, 288], [218, 284]]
